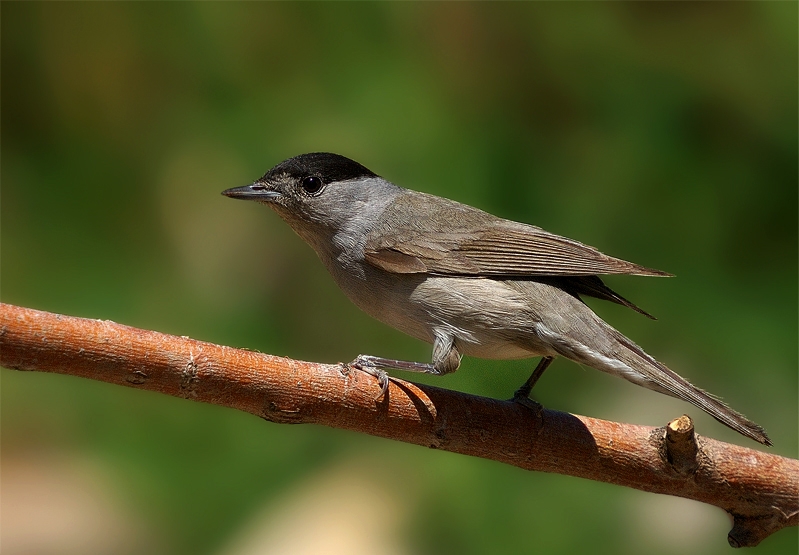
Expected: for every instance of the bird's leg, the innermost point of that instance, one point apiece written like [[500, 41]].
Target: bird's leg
[[363, 362], [523, 393], [374, 367], [446, 359]]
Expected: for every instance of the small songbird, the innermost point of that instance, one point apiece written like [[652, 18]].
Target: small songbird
[[464, 280]]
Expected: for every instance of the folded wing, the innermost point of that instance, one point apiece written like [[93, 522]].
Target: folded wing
[[455, 239]]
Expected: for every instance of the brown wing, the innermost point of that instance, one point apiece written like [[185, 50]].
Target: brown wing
[[446, 237]]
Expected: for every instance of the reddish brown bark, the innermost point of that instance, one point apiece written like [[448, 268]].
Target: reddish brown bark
[[760, 490]]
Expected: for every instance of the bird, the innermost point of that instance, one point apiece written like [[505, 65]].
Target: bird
[[464, 280]]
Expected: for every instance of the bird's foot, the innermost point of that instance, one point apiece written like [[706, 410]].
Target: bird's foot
[[375, 366], [525, 401], [365, 363]]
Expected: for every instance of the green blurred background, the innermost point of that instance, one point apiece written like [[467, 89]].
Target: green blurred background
[[661, 133]]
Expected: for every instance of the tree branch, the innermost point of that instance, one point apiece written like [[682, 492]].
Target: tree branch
[[759, 490]]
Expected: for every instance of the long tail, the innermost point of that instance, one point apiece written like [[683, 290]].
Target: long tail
[[650, 373]]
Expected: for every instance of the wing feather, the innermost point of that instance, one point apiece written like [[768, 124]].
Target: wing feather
[[450, 238]]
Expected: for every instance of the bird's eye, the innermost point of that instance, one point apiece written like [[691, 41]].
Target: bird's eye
[[311, 184]]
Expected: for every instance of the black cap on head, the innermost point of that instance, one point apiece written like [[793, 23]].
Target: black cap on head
[[330, 167]]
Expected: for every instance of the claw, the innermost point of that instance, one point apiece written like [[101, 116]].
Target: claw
[[365, 364], [382, 379], [525, 401]]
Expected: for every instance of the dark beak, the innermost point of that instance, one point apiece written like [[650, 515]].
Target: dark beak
[[256, 191]]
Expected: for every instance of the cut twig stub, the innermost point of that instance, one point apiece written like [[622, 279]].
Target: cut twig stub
[[681, 446]]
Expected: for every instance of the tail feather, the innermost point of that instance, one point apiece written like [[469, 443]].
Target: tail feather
[[591, 286], [669, 382]]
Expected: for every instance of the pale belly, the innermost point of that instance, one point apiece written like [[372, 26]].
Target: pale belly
[[487, 318]]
